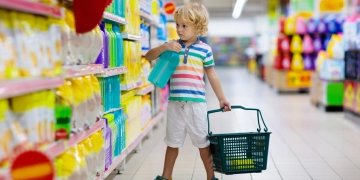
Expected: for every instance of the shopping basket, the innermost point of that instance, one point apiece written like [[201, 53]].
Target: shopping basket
[[239, 153]]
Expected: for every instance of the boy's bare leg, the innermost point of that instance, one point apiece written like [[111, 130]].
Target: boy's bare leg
[[206, 157], [170, 158]]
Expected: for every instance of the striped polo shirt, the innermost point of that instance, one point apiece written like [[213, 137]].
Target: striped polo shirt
[[187, 83]]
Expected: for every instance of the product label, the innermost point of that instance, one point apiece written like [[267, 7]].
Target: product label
[[349, 95], [298, 79]]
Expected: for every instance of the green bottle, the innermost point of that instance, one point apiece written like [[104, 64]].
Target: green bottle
[[112, 45]]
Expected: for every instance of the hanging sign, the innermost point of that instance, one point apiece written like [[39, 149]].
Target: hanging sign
[[169, 8], [331, 6], [31, 165]]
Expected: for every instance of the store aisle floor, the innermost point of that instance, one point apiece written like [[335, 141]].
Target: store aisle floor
[[306, 143]]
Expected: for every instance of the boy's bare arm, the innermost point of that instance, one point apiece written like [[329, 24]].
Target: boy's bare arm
[[216, 85], [156, 52]]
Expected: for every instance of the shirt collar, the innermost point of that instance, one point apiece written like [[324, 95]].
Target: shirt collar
[[183, 44]]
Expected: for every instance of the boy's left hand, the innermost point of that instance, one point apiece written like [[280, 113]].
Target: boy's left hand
[[226, 105]]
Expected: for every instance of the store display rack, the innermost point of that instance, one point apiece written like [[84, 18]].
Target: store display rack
[[326, 94], [114, 18], [148, 18], [60, 147], [32, 7], [18, 87], [112, 71], [131, 37], [144, 90], [131, 86], [97, 69], [133, 145]]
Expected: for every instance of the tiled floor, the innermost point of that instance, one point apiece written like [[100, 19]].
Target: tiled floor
[[306, 143]]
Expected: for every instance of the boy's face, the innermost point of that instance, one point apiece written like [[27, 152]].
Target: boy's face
[[185, 30]]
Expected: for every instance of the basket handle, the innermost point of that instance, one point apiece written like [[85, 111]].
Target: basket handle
[[239, 107]]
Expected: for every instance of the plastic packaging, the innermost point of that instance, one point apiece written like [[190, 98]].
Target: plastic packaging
[[164, 68], [296, 44], [297, 62]]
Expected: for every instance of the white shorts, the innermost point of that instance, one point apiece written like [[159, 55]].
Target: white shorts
[[183, 118]]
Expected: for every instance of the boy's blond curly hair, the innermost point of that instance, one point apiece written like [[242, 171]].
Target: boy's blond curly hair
[[195, 14]]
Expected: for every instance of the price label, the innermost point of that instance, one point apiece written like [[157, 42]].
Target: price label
[[301, 79]]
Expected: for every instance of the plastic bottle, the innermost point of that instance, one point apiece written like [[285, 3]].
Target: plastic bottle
[[164, 68], [103, 57], [297, 62], [308, 45], [111, 44], [119, 46]]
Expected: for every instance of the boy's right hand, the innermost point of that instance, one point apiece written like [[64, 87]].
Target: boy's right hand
[[173, 46]]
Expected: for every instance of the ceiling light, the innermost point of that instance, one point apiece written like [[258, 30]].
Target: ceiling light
[[238, 8]]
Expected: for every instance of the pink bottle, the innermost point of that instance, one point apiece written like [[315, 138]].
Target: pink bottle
[[300, 26], [308, 44]]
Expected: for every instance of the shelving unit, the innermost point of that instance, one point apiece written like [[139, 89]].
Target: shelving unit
[[148, 18], [114, 18], [112, 71], [133, 145], [60, 147], [32, 7], [112, 110], [82, 70], [144, 90], [11, 88], [131, 37], [130, 86], [18, 87]]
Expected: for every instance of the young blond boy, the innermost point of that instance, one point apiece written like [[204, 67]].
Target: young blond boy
[[187, 109]]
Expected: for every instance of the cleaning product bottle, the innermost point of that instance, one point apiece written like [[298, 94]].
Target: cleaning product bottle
[[296, 44], [164, 68], [300, 25], [318, 44], [119, 46], [289, 28], [108, 28], [103, 57], [311, 26], [308, 45], [286, 61], [297, 62]]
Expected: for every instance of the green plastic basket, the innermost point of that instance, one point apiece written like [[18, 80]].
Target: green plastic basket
[[239, 153]]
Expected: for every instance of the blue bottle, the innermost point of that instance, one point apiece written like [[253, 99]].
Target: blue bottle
[[164, 68], [119, 46]]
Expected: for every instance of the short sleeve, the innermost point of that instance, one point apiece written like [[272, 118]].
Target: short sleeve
[[209, 59]]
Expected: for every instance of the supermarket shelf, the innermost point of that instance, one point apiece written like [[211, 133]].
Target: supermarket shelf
[[114, 18], [113, 71], [24, 86], [131, 36], [32, 7], [144, 90], [130, 86], [132, 146], [112, 110], [114, 164], [148, 18], [83, 70], [61, 146]]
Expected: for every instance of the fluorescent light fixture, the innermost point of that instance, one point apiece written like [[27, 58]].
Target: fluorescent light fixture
[[239, 6]]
